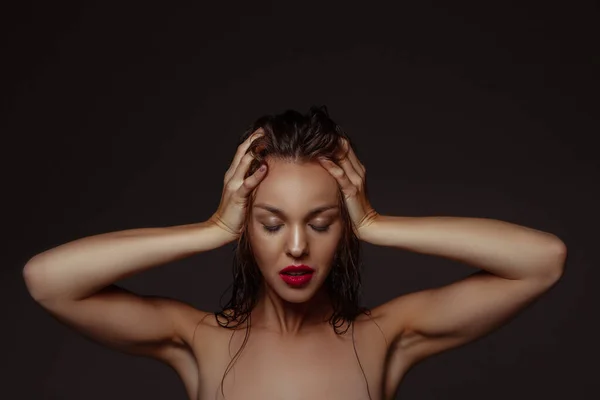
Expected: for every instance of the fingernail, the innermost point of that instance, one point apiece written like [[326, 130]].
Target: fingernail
[[262, 168]]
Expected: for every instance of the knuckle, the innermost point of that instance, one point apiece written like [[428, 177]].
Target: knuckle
[[245, 159], [337, 172], [230, 187], [353, 191], [248, 184]]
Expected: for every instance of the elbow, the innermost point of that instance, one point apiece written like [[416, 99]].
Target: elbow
[[33, 280], [29, 277], [556, 266]]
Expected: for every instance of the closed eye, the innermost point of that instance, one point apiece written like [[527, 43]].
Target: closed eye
[[271, 229], [275, 228]]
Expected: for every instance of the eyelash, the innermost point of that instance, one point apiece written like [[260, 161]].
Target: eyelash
[[271, 230]]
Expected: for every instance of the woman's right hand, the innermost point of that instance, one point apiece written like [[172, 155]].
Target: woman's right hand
[[234, 199]]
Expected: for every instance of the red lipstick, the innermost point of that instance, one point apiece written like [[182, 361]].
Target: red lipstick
[[296, 275]]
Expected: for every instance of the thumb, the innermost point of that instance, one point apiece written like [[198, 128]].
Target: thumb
[[253, 180]]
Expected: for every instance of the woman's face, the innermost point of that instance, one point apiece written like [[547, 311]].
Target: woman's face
[[286, 226]]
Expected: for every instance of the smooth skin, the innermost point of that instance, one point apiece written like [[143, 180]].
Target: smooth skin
[[518, 264], [75, 281], [295, 219]]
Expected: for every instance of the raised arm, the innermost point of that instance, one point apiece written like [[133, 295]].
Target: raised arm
[[518, 264], [75, 283]]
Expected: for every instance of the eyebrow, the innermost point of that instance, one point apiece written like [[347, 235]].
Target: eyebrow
[[279, 212]]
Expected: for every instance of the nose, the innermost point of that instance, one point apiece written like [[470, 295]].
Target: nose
[[297, 243]]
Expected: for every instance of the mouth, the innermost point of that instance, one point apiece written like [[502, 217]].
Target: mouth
[[297, 270], [299, 280], [297, 275]]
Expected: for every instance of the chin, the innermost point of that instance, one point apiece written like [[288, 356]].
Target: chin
[[297, 296]]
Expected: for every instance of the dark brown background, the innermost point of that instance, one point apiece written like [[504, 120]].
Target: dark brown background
[[123, 115]]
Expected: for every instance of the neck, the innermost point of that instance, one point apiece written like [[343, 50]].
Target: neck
[[277, 315]]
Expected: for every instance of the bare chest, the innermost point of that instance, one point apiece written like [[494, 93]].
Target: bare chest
[[319, 366]]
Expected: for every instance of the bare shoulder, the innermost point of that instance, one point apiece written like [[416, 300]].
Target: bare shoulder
[[394, 315], [197, 329], [437, 319], [391, 317], [186, 353], [189, 324]]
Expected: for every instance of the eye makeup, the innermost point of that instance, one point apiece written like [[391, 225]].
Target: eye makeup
[[271, 229]]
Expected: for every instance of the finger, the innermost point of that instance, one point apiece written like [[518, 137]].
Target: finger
[[252, 181], [242, 168], [241, 151], [340, 176], [243, 148], [350, 171], [353, 171], [358, 167]]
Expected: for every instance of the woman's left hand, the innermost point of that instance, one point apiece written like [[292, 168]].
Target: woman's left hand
[[350, 175]]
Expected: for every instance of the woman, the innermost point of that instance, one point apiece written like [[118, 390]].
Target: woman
[[295, 201]]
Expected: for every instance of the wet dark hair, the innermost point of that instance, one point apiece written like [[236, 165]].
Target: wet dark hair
[[295, 137]]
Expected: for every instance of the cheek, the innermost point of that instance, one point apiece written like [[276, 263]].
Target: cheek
[[326, 246], [327, 242], [264, 247]]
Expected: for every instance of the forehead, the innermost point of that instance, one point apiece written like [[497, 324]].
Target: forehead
[[297, 186]]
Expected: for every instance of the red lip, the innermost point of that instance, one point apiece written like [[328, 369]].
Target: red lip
[[297, 268]]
